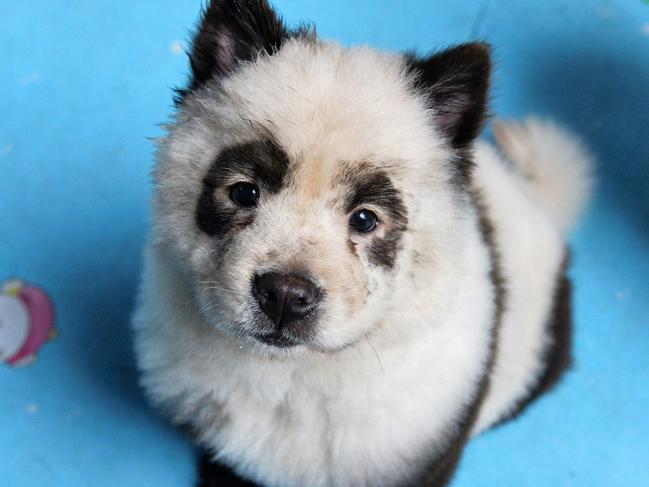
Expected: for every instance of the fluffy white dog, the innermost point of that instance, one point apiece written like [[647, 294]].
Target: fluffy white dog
[[341, 286]]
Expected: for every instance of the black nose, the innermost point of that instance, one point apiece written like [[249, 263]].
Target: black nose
[[285, 298]]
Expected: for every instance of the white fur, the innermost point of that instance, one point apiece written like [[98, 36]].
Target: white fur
[[385, 386], [557, 167]]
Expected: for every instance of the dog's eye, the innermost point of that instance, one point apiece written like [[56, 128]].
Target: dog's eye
[[363, 221], [245, 194]]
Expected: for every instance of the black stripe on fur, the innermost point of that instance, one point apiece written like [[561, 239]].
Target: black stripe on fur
[[216, 474], [443, 467], [557, 357]]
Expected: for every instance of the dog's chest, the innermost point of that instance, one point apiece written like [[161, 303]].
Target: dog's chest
[[360, 421]]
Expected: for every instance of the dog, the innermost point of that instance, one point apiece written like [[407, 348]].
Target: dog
[[342, 285]]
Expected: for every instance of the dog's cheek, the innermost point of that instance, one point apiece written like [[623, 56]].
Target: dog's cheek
[[344, 278]]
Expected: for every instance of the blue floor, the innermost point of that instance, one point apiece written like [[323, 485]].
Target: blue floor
[[83, 84]]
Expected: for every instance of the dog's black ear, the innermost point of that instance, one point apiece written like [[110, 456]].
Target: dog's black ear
[[456, 84], [231, 31]]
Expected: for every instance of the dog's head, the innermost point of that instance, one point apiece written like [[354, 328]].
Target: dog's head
[[310, 189]]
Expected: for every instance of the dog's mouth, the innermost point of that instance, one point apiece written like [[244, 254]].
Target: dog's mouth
[[277, 339]]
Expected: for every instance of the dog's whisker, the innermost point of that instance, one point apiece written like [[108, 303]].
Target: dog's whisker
[[376, 354]]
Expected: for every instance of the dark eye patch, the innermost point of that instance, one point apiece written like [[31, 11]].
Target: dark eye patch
[[262, 162], [372, 186]]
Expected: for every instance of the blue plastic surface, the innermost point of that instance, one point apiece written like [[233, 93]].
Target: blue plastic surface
[[82, 85]]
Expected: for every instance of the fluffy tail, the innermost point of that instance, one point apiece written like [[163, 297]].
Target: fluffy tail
[[557, 168]]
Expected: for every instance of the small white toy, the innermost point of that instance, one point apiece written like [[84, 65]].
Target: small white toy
[[26, 322]]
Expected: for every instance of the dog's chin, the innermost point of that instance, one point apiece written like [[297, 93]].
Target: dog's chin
[[276, 343], [262, 341], [279, 345], [278, 340]]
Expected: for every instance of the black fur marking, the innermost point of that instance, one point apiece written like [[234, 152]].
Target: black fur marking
[[461, 167], [231, 32], [261, 162], [383, 251], [213, 217], [370, 186], [456, 84], [215, 474], [443, 467], [558, 355], [497, 279], [373, 186]]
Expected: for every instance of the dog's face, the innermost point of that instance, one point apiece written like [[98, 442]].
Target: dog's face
[[310, 189]]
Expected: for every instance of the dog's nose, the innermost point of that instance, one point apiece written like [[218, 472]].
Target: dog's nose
[[285, 298]]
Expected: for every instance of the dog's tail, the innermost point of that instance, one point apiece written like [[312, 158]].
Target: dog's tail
[[555, 165]]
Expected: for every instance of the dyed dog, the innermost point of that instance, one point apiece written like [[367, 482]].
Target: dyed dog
[[341, 286]]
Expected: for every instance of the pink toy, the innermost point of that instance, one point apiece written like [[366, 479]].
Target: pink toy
[[26, 322]]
